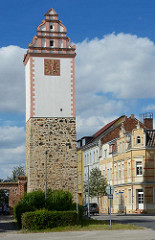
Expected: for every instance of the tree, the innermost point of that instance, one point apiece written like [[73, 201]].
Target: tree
[[97, 184], [17, 171]]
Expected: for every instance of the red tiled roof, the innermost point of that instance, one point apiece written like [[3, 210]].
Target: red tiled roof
[[106, 127]]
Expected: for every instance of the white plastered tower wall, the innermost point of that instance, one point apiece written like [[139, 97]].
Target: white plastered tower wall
[[50, 108]]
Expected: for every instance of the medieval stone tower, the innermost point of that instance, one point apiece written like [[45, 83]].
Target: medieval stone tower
[[50, 108]]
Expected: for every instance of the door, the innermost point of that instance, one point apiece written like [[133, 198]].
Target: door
[[140, 199]]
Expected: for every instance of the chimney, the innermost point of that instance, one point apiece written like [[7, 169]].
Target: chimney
[[132, 116], [148, 120]]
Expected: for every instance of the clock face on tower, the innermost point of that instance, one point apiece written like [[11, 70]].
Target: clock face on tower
[[52, 67]]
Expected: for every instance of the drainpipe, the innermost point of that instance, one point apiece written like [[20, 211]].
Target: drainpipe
[[131, 180]]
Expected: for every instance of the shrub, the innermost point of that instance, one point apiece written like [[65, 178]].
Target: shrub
[[29, 202], [35, 198], [42, 219], [80, 210], [59, 200], [21, 208]]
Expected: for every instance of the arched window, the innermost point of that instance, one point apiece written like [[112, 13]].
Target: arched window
[[138, 139]]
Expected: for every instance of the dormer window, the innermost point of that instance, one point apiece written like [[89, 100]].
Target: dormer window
[[138, 139]]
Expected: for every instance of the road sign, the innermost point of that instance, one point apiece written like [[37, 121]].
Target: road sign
[[110, 196], [109, 189]]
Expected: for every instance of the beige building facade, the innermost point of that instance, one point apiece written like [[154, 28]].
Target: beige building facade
[[128, 163]]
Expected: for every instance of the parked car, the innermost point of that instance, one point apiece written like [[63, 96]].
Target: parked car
[[93, 208]]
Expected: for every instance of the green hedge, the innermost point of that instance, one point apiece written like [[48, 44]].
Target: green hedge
[[42, 219], [57, 200]]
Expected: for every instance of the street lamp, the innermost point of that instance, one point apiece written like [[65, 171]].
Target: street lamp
[[88, 195], [46, 152]]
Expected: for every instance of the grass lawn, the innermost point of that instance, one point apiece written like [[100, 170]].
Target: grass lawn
[[89, 225]]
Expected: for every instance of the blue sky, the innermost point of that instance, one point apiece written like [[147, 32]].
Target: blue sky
[[115, 61]]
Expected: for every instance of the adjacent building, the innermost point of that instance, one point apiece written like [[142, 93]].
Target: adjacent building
[[126, 159]]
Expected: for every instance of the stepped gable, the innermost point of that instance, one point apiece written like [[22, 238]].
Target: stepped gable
[[51, 29]]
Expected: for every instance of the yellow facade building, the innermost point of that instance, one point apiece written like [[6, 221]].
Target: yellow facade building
[[128, 163], [80, 177]]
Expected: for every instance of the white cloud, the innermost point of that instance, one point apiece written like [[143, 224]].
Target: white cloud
[[150, 107], [122, 65], [12, 149], [112, 75], [11, 136], [88, 126], [12, 83]]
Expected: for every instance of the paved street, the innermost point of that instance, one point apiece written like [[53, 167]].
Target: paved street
[[91, 235], [8, 231], [147, 221]]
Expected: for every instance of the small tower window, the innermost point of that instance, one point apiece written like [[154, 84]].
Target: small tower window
[[138, 139], [51, 26], [51, 43]]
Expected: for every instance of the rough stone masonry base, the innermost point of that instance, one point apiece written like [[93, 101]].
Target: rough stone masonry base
[[57, 136]]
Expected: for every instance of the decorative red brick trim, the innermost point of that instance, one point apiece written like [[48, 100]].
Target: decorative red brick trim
[[32, 88], [148, 176], [43, 22], [73, 87], [27, 56], [147, 168], [149, 159], [53, 14]]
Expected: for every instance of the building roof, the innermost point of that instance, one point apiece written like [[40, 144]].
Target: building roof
[[106, 127], [150, 138]]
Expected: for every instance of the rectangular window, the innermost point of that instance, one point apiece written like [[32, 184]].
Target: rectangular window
[[129, 196], [105, 153], [139, 168], [123, 147], [51, 43], [110, 174], [90, 159], [87, 159], [120, 147], [94, 157], [129, 170], [115, 171], [119, 172], [123, 170]]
